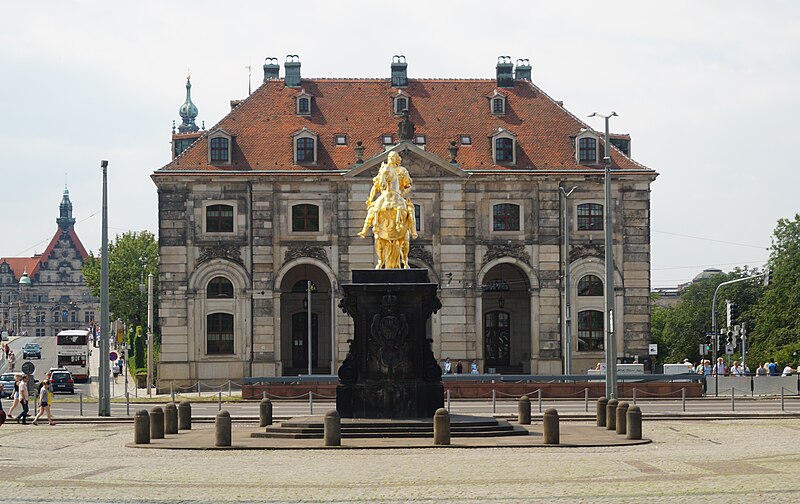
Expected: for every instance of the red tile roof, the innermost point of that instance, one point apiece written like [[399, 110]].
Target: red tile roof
[[20, 264], [262, 125]]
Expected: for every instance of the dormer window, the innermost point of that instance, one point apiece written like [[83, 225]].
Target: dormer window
[[504, 147], [303, 103], [219, 148], [402, 102], [497, 103], [305, 147], [586, 148]]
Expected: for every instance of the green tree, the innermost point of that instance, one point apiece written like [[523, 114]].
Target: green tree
[[777, 329], [131, 257]]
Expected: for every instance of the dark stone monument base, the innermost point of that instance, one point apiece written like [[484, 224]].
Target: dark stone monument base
[[390, 370], [389, 400]]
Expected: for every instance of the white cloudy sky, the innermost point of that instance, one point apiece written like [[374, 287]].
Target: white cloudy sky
[[708, 90]]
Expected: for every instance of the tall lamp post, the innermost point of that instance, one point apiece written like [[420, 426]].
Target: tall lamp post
[[567, 308], [150, 333], [610, 341], [104, 402], [308, 322]]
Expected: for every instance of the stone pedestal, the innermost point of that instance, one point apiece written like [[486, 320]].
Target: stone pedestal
[[390, 370]]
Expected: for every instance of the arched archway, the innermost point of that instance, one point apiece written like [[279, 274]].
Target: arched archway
[[295, 309], [506, 319]]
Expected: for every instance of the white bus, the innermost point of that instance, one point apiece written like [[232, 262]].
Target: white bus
[[72, 348]]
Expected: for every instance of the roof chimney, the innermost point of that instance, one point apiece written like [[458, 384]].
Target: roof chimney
[[292, 68], [271, 69], [399, 73], [505, 72], [523, 70]]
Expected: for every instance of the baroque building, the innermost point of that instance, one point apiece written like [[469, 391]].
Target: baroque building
[[46, 293], [272, 197]]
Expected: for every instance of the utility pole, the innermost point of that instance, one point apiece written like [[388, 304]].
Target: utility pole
[[150, 333], [567, 298], [308, 293], [104, 402]]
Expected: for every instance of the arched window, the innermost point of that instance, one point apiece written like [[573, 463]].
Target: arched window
[[219, 219], [305, 150], [219, 288], [504, 150], [590, 330], [220, 152], [305, 218], [505, 217], [587, 150], [590, 217], [590, 285], [219, 334]]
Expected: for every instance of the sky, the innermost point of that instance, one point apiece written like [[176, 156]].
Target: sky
[[706, 89]]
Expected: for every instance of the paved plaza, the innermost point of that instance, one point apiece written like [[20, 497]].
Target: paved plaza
[[76, 463]]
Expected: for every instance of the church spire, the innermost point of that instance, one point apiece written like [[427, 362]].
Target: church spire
[[188, 112], [65, 220]]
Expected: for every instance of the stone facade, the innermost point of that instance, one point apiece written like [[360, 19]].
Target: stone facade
[[502, 291]]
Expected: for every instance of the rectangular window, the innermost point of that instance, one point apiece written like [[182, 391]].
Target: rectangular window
[[505, 217], [498, 106], [305, 150], [88, 316], [400, 105], [219, 335], [73, 316], [587, 150], [590, 217], [387, 140], [56, 317], [417, 216], [341, 139], [590, 330], [305, 218], [466, 140], [303, 106], [219, 219], [219, 150], [504, 150]]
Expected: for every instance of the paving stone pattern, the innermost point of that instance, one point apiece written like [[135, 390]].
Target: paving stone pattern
[[77, 463]]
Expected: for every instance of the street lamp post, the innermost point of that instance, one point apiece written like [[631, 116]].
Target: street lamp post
[[104, 402], [567, 308], [611, 344], [150, 332], [308, 293]]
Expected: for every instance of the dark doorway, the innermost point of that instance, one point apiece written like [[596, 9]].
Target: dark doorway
[[497, 338], [300, 340]]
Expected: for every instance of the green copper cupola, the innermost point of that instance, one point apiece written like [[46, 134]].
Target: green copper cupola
[[188, 112], [65, 220]]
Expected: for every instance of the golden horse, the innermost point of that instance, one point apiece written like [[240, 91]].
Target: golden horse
[[391, 215]]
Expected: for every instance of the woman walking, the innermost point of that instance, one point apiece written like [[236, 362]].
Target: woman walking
[[23, 400], [15, 397], [44, 403]]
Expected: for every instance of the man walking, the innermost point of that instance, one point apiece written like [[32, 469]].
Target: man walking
[[23, 400]]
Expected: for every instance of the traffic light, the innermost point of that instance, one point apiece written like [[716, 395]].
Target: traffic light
[[729, 338], [708, 343], [732, 314]]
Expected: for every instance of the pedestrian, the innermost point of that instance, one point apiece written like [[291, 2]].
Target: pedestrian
[[473, 368], [459, 368], [448, 366], [45, 399], [2, 413], [688, 364], [719, 368], [762, 370], [23, 400], [707, 367], [772, 367], [115, 372], [12, 360], [736, 369], [15, 396], [787, 371]]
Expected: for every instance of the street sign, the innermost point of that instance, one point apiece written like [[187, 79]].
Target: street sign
[[703, 350], [652, 348], [112, 356], [730, 349], [28, 368]]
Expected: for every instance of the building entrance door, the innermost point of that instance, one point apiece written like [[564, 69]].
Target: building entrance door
[[497, 338], [300, 340]]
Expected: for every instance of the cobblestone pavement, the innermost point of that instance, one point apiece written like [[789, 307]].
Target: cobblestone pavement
[[77, 463]]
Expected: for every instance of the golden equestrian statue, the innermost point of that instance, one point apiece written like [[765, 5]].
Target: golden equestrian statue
[[391, 214]]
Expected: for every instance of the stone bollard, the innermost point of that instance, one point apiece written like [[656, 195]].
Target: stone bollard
[[222, 428], [601, 411], [441, 427], [171, 419], [141, 427], [524, 411], [185, 415], [611, 414], [333, 429], [265, 413], [634, 421], [622, 411], [157, 423], [551, 429]]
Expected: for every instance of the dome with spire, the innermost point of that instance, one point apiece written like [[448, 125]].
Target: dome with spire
[[25, 280], [188, 112], [65, 219]]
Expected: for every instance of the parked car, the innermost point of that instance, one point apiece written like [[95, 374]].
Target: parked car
[[7, 381], [61, 381], [31, 350]]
